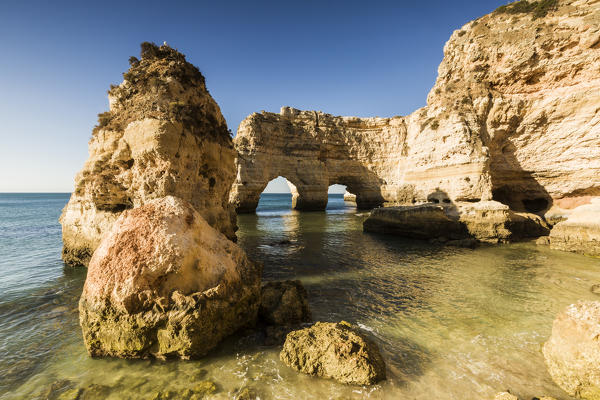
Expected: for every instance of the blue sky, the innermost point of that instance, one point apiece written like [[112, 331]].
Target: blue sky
[[58, 58]]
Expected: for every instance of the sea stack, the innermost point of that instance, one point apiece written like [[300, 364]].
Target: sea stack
[[164, 283], [163, 135]]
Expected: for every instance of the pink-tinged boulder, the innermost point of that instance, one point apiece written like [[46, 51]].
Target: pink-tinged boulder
[[164, 283]]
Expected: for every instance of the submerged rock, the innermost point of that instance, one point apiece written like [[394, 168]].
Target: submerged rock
[[164, 283], [485, 221], [246, 393], [199, 391], [572, 353], [283, 307], [580, 232], [334, 350], [284, 303], [163, 135]]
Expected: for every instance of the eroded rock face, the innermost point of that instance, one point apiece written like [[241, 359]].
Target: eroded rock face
[[485, 221], [164, 135], [572, 353], [164, 283], [334, 350], [580, 232], [513, 117]]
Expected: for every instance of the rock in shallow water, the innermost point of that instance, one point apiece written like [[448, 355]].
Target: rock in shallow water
[[164, 283], [334, 350], [573, 351], [284, 303], [484, 221], [580, 232]]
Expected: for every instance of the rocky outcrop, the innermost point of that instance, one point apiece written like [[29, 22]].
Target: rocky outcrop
[[484, 221], [334, 350], [164, 283], [349, 197], [572, 353], [513, 117], [580, 232], [163, 135]]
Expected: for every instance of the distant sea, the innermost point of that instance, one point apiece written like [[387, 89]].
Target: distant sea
[[451, 323]]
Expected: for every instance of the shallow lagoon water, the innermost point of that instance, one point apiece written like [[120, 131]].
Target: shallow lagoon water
[[452, 323]]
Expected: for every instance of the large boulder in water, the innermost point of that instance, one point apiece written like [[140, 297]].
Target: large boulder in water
[[580, 232], [163, 135], [334, 350], [573, 351], [483, 221], [164, 283]]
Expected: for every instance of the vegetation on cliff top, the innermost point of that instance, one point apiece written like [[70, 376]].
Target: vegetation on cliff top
[[538, 9], [150, 90]]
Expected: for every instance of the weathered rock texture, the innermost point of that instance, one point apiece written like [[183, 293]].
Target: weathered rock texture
[[514, 116], [484, 221], [164, 135], [163, 283], [573, 351], [334, 350], [580, 232]]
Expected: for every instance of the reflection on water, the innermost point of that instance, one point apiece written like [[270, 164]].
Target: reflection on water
[[451, 323]]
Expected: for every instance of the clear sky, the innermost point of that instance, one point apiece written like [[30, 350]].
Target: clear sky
[[58, 58]]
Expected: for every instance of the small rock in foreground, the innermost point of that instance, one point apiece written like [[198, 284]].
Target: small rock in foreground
[[334, 350]]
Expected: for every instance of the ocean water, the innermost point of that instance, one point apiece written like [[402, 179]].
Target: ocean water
[[451, 323]]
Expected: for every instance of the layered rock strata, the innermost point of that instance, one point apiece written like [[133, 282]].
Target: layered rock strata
[[334, 350], [164, 283], [513, 117], [580, 231], [572, 352], [484, 221], [163, 135]]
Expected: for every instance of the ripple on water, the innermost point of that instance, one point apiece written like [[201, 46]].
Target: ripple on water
[[451, 323]]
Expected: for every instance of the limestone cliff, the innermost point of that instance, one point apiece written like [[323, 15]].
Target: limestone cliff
[[164, 135], [514, 116]]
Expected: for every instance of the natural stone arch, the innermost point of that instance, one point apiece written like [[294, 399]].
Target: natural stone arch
[[312, 152]]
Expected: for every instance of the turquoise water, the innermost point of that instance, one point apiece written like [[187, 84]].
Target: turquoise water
[[451, 323]]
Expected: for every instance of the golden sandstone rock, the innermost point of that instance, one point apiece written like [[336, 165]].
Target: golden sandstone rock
[[163, 283], [572, 352], [513, 116], [164, 135]]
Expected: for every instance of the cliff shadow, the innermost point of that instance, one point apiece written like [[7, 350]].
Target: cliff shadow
[[514, 186]]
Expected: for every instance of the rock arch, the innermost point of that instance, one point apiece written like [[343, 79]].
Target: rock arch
[[310, 156]]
